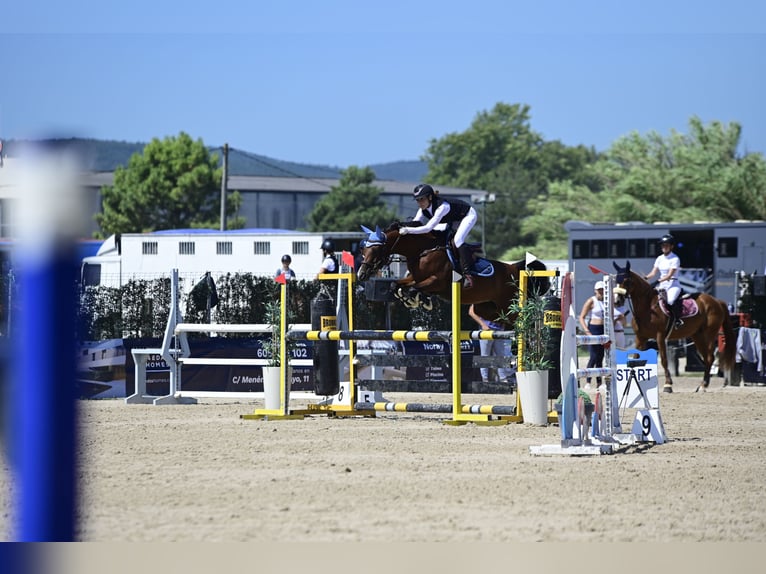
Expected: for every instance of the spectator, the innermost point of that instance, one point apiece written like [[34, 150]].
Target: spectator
[[329, 261], [593, 310], [289, 273], [491, 348]]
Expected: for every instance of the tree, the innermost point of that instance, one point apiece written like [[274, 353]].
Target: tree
[[501, 154], [173, 184], [682, 178], [351, 203]]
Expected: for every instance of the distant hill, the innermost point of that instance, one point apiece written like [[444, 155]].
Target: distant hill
[[107, 155]]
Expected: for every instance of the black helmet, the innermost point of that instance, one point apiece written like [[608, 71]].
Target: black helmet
[[286, 259], [667, 238], [422, 190], [328, 245]]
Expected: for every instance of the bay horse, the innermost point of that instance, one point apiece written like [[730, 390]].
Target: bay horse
[[650, 322], [430, 272]]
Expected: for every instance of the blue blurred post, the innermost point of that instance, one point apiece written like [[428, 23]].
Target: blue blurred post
[[43, 433]]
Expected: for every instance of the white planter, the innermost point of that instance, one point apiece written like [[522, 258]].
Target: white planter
[[271, 385], [533, 394]]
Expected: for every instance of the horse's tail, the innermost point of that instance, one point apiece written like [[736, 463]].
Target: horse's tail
[[730, 341]]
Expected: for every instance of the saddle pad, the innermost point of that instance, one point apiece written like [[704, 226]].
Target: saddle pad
[[481, 267], [688, 307]]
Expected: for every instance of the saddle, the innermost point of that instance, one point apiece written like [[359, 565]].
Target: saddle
[[689, 306], [481, 267]]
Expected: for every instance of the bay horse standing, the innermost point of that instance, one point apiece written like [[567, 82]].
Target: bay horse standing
[[650, 322], [430, 272]]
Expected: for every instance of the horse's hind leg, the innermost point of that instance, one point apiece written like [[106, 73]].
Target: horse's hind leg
[[663, 348], [706, 350]]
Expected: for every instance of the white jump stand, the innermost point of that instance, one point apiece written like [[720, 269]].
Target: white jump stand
[[140, 357]]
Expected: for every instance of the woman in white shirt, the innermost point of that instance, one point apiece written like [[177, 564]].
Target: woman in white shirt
[[667, 265]]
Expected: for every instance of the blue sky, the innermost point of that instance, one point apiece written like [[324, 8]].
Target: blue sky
[[341, 82]]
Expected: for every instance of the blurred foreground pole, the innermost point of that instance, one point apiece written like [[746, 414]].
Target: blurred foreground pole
[[43, 431]]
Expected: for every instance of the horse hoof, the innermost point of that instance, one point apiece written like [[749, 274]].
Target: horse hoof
[[667, 389]]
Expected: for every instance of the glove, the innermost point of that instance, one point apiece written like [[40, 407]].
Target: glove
[[403, 231]]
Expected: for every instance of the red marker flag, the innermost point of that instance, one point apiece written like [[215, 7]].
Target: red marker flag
[[596, 270], [281, 278], [347, 259]]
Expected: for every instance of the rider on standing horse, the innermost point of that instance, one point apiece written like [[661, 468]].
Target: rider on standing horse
[[459, 217], [667, 265]]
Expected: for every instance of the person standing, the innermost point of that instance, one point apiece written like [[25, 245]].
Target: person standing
[[288, 272], [491, 347], [459, 216], [593, 310], [667, 266], [329, 260]]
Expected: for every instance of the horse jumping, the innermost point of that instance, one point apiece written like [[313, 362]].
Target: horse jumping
[[430, 272], [650, 322]]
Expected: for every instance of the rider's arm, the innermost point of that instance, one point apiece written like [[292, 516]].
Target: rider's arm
[[670, 274], [651, 273], [429, 225]]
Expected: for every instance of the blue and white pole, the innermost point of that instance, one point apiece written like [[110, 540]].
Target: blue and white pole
[[43, 430]]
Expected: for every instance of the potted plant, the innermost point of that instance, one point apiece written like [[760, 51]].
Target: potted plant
[[527, 314], [272, 347]]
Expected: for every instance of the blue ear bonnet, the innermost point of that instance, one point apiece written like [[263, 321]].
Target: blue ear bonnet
[[376, 237]]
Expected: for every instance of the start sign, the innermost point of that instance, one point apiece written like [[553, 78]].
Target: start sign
[[636, 373]]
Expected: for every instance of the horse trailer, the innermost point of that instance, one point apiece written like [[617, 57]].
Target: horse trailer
[[194, 252], [713, 255]]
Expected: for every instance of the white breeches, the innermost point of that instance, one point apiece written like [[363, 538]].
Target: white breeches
[[464, 227]]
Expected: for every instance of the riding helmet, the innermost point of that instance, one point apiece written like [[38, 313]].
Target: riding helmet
[[286, 259], [422, 190], [667, 238], [328, 245]]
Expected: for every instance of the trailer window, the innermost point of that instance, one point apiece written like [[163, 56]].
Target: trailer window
[[300, 247], [91, 275], [652, 248], [727, 247], [636, 248], [223, 248], [580, 249], [149, 248], [598, 249], [617, 248], [186, 248]]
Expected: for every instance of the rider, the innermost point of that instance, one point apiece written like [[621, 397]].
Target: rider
[[329, 261], [667, 265], [458, 215]]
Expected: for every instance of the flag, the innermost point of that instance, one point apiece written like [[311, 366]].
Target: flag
[[281, 278], [347, 259]]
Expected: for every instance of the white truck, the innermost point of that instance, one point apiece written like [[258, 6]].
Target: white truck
[[194, 252]]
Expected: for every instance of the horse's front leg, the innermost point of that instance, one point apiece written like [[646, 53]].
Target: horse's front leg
[[429, 284], [663, 348]]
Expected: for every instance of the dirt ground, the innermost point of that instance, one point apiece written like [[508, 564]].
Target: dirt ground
[[201, 473]]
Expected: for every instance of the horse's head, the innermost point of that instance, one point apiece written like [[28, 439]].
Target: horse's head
[[375, 253], [627, 279]]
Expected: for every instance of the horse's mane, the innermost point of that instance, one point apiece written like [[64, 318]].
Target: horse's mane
[[641, 285]]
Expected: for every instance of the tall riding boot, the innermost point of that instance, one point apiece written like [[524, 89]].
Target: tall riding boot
[[677, 310], [466, 262]]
